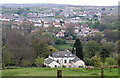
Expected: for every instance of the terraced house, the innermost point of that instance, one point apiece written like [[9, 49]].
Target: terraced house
[[63, 59]]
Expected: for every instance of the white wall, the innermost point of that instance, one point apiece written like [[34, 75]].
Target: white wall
[[61, 61], [79, 63]]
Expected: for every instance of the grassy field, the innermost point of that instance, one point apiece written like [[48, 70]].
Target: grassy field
[[64, 46], [53, 72]]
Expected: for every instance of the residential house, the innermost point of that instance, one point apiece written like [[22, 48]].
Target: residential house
[[56, 24], [63, 58], [60, 34], [84, 30], [37, 24], [46, 24], [94, 30]]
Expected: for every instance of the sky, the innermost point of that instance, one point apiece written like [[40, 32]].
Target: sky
[[72, 2]]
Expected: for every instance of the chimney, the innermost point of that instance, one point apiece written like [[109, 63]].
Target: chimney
[[74, 51], [51, 50]]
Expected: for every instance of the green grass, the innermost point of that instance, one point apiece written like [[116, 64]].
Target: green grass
[[53, 72], [64, 46]]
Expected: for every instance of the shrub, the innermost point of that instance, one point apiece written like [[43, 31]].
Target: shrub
[[63, 66], [26, 63], [96, 60], [59, 41], [94, 73], [88, 62], [39, 61], [110, 61]]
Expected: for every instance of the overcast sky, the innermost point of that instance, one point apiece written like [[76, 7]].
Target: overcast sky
[[72, 2]]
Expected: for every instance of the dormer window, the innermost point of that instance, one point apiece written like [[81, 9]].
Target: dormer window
[[57, 54], [65, 54]]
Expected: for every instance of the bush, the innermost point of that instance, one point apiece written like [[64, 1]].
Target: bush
[[110, 61], [26, 63], [94, 73], [10, 64], [88, 62], [63, 66], [39, 61], [59, 41], [96, 60]]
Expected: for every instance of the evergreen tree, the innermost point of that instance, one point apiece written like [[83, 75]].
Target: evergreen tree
[[79, 49]]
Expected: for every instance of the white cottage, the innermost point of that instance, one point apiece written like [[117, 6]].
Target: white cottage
[[63, 58]]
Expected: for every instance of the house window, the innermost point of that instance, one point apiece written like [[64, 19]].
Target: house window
[[69, 61], [55, 65], [70, 54], [65, 61], [57, 61], [57, 54]]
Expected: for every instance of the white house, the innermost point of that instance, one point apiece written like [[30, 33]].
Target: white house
[[60, 34], [63, 58]]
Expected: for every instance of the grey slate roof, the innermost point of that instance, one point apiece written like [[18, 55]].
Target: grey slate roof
[[62, 54], [75, 59], [48, 60]]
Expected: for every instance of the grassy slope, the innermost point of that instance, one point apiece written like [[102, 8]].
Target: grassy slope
[[64, 46], [53, 72]]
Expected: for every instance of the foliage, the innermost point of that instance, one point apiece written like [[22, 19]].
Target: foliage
[[117, 46], [96, 60], [7, 56], [111, 36], [91, 48], [26, 63], [98, 37], [59, 41], [39, 61], [70, 31], [110, 61], [40, 47], [88, 62], [79, 49]]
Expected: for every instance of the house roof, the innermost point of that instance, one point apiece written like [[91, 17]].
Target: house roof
[[56, 23], [72, 24], [75, 59], [63, 54], [48, 60], [94, 29]]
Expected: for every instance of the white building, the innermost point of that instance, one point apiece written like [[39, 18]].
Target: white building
[[63, 58]]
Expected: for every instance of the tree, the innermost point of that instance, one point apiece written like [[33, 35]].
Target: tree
[[7, 56], [79, 49], [103, 9], [104, 53], [40, 47], [70, 30], [117, 46], [98, 37], [91, 48], [39, 61], [17, 42], [111, 36]]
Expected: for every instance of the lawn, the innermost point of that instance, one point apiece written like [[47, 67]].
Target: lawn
[[64, 46], [53, 72]]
